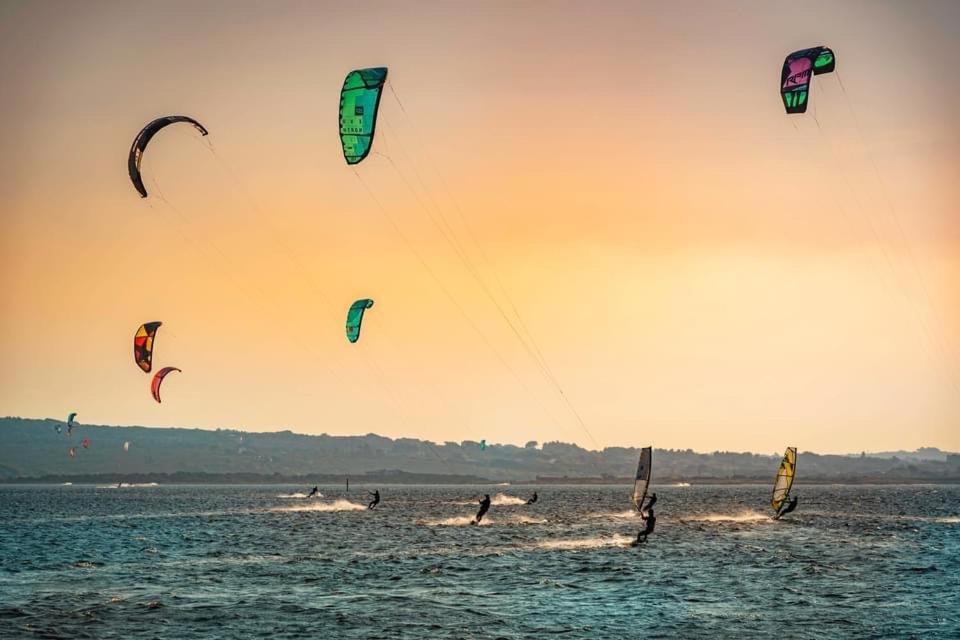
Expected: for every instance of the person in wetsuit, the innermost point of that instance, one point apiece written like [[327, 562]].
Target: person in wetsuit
[[786, 508], [376, 499], [653, 500], [533, 498], [651, 520], [313, 492], [484, 507]]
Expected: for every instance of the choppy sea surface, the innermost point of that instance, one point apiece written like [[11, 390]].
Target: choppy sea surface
[[264, 561]]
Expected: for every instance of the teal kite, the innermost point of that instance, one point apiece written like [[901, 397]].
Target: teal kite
[[359, 103], [355, 318]]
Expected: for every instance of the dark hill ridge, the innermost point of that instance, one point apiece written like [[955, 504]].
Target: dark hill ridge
[[31, 449]]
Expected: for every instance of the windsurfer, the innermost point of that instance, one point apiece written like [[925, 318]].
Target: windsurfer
[[649, 507], [786, 508]]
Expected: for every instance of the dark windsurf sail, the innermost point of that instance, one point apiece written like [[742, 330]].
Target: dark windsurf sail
[[642, 481]]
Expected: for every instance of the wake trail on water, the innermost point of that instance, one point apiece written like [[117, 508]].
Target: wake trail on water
[[128, 485], [296, 495], [499, 500], [595, 542], [527, 520], [741, 516], [336, 505], [458, 521], [630, 514], [884, 516], [466, 521]]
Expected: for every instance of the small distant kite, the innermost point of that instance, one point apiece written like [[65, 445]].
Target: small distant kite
[[72, 451], [143, 139], [359, 103], [86, 443], [798, 71], [71, 423], [355, 318], [126, 446], [143, 345], [158, 380], [483, 445]]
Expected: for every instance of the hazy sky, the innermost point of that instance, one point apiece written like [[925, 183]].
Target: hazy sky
[[698, 269]]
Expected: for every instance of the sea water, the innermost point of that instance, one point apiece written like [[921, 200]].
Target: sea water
[[263, 561]]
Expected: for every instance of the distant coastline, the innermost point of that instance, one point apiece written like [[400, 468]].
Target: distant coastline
[[394, 478], [33, 451]]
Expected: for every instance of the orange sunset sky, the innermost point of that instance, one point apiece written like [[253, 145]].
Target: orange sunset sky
[[697, 268]]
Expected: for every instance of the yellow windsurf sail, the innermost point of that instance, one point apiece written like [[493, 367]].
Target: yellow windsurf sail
[[781, 487]]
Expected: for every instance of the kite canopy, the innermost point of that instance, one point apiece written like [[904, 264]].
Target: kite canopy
[[642, 480], [126, 446], [143, 139], [86, 443], [158, 380], [359, 104], [355, 318], [781, 486], [143, 345], [72, 451], [798, 71]]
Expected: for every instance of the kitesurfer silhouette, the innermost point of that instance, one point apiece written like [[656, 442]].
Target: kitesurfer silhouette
[[651, 520], [484, 507]]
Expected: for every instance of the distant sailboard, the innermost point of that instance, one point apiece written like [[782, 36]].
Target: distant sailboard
[[642, 481], [784, 481]]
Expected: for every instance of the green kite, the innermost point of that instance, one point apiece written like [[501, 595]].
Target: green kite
[[355, 318], [359, 103]]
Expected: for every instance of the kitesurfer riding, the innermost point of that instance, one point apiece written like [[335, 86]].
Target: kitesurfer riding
[[484, 507], [651, 521], [786, 508], [533, 498], [313, 492], [376, 499]]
